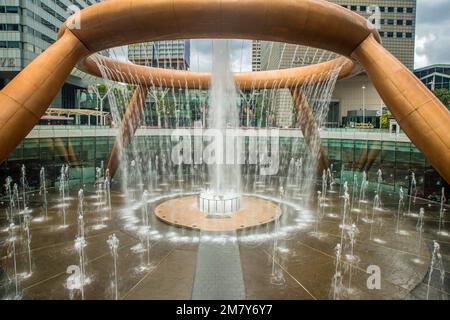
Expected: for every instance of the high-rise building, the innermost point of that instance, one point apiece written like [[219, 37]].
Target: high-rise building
[[169, 54], [28, 27], [256, 55], [355, 97], [435, 77]]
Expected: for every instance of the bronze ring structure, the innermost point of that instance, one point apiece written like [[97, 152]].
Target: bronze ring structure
[[146, 77], [315, 23]]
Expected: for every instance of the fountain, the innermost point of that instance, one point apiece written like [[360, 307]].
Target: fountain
[[324, 184], [81, 233], [214, 193], [223, 197], [401, 204], [337, 285], [80, 244], [419, 227], [26, 229], [355, 189], [16, 200], [113, 243], [442, 212], [23, 179], [344, 225], [43, 190], [108, 191], [352, 233], [319, 209], [12, 252], [379, 181], [364, 185], [376, 206], [277, 276], [11, 205], [436, 264], [145, 213], [412, 190], [62, 193]]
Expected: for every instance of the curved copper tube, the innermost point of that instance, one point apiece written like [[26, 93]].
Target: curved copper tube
[[419, 113], [25, 99], [158, 77], [130, 122], [315, 23]]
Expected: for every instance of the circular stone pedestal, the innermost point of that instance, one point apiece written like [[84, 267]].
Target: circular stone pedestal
[[185, 212]]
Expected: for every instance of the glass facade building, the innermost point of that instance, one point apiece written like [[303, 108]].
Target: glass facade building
[[435, 77], [349, 152], [27, 28], [170, 54]]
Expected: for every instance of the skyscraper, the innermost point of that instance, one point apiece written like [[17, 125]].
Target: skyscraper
[[397, 22], [170, 54], [28, 27]]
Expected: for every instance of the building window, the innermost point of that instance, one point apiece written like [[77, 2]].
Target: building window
[[408, 35], [390, 34], [409, 22], [390, 9], [399, 34], [353, 8], [400, 9], [381, 33], [390, 22], [363, 8], [382, 9], [11, 9], [399, 22], [409, 10]]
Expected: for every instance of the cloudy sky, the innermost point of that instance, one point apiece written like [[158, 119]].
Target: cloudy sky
[[432, 41], [433, 32]]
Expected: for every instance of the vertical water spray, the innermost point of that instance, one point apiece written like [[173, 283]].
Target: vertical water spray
[[436, 264], [23, 180], [80, 244], [12, 240], [400, 208], [223, 119], [442, 211], [26, 228], [113, 243], [9, 193], [412, 190], [62, 192], [43, 190], [419, 227]]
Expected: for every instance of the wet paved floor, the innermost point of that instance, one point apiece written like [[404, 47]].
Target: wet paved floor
[[218, 274], [299, 265]]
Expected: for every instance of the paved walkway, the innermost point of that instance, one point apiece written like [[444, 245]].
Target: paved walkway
[[218, 275]]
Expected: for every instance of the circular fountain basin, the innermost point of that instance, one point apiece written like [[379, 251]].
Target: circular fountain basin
[[215, 204], [185, 212]]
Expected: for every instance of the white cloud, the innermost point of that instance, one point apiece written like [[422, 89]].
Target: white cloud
[[201, 55], [432, 32]]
